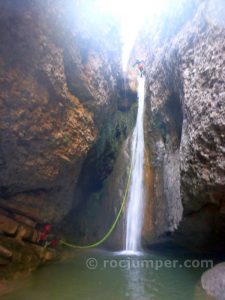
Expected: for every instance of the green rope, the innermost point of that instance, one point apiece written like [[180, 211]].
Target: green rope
[[113, 225]]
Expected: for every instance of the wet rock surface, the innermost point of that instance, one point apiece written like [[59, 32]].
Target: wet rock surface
[[102, 190], [185, 87]]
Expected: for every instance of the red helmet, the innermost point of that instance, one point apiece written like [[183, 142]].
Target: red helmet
[[47, 227]]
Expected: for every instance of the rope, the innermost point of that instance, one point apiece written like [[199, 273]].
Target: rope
[[113, 225]]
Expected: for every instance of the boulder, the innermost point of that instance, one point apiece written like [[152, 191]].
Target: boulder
[[213, 281]]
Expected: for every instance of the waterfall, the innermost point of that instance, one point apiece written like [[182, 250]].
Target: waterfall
[[136, 191]]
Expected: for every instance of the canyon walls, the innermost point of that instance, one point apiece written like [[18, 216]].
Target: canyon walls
[[67, 114], [62, 93], [185, 129], [59, 77]]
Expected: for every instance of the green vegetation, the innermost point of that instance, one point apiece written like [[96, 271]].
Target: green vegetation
[[99, 165], [116, 131]]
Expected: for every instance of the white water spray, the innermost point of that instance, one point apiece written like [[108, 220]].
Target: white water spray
[[136, 192]]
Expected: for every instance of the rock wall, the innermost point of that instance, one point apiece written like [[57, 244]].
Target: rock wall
[[185, 88], [59, 81], [102, 183], [60, 78]]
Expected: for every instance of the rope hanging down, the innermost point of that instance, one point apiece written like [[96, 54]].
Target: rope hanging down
[[113, 225]]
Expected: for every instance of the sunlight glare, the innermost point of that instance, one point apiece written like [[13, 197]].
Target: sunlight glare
[[131, 14]]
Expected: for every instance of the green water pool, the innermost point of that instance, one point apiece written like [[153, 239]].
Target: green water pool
[[101, 275]]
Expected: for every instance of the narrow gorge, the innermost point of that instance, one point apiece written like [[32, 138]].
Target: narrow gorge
[[112, 149]]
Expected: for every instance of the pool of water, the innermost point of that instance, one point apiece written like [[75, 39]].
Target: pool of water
[[100, 275]]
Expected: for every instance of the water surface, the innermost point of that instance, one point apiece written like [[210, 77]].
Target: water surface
[[111, 279]]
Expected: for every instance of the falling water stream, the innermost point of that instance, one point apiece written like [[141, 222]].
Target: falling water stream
[[136, 192]]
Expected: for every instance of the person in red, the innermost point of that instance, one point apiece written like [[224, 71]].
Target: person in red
[[141, 65], [46, 238], [44, 233], [53, 243]]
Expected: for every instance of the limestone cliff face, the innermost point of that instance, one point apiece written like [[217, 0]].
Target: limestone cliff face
[[59, 80], [186, 115]]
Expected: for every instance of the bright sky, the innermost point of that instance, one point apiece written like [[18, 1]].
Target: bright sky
[[131, 13]]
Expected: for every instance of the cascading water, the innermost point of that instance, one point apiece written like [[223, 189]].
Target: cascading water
[[136, 191]]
